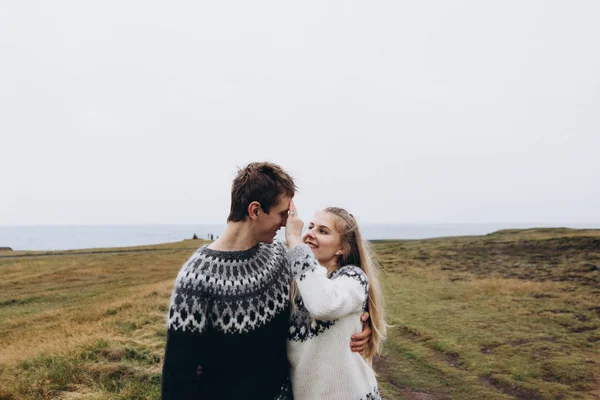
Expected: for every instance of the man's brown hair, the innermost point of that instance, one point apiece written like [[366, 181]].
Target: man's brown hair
[[264, 182]]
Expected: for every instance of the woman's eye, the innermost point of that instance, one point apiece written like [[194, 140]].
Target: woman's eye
[[322, 231]]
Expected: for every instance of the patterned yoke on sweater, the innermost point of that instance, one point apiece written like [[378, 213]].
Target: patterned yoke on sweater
[[227, 326]]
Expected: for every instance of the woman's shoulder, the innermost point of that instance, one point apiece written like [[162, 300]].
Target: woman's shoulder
[[354, 273], [351, 271]]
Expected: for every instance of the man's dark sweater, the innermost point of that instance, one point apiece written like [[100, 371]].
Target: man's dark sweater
[[227, 326]]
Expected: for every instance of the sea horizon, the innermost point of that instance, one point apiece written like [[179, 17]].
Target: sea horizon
[[72, 237]]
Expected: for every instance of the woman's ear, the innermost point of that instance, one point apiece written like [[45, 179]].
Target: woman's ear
[[254, 210], [340, 252]]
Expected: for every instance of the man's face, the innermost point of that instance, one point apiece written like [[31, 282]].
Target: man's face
[[269, 224]]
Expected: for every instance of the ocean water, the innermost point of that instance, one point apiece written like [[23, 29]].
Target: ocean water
[[84, 237]]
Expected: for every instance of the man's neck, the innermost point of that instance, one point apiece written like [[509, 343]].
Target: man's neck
[[237, 237]]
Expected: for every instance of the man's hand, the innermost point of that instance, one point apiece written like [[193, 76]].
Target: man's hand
[[293, 227], [359, 341]]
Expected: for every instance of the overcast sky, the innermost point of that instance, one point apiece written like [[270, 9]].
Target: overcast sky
[[133, 112]]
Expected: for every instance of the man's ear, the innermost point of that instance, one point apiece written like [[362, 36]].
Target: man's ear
[[253, 210]]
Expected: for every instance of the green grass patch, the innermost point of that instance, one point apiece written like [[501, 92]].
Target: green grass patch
[[114, 370]]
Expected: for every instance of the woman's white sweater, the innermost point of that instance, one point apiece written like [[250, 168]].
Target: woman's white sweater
[[326, 314]]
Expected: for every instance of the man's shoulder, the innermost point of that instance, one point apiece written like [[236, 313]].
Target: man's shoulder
[[277, 244], [276, 248], [194, 257]]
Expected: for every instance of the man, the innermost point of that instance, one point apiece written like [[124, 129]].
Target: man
[[229, 312]]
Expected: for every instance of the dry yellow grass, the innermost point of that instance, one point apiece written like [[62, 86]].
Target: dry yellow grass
[[53, 306]]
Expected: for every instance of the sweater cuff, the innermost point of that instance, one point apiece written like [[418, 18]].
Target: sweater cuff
[[299, 252], [302, 260]]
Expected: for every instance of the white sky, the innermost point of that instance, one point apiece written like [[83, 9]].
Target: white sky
[[132, 112]]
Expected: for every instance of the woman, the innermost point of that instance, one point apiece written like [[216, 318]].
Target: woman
[[331, 292]]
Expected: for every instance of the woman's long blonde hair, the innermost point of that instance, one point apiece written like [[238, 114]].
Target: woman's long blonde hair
[[358, 252]]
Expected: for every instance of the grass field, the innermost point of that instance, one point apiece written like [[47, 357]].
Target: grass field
[[514, 314]]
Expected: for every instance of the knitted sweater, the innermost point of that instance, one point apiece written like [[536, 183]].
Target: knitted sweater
[[227, 326], [326, 314]]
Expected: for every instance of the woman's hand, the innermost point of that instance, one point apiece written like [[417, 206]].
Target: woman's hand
[[293, 227]]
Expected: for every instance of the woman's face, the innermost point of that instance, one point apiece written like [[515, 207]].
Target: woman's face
[[323, 238]]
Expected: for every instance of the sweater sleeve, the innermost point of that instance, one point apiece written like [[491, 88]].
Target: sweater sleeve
[[327, 299]]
